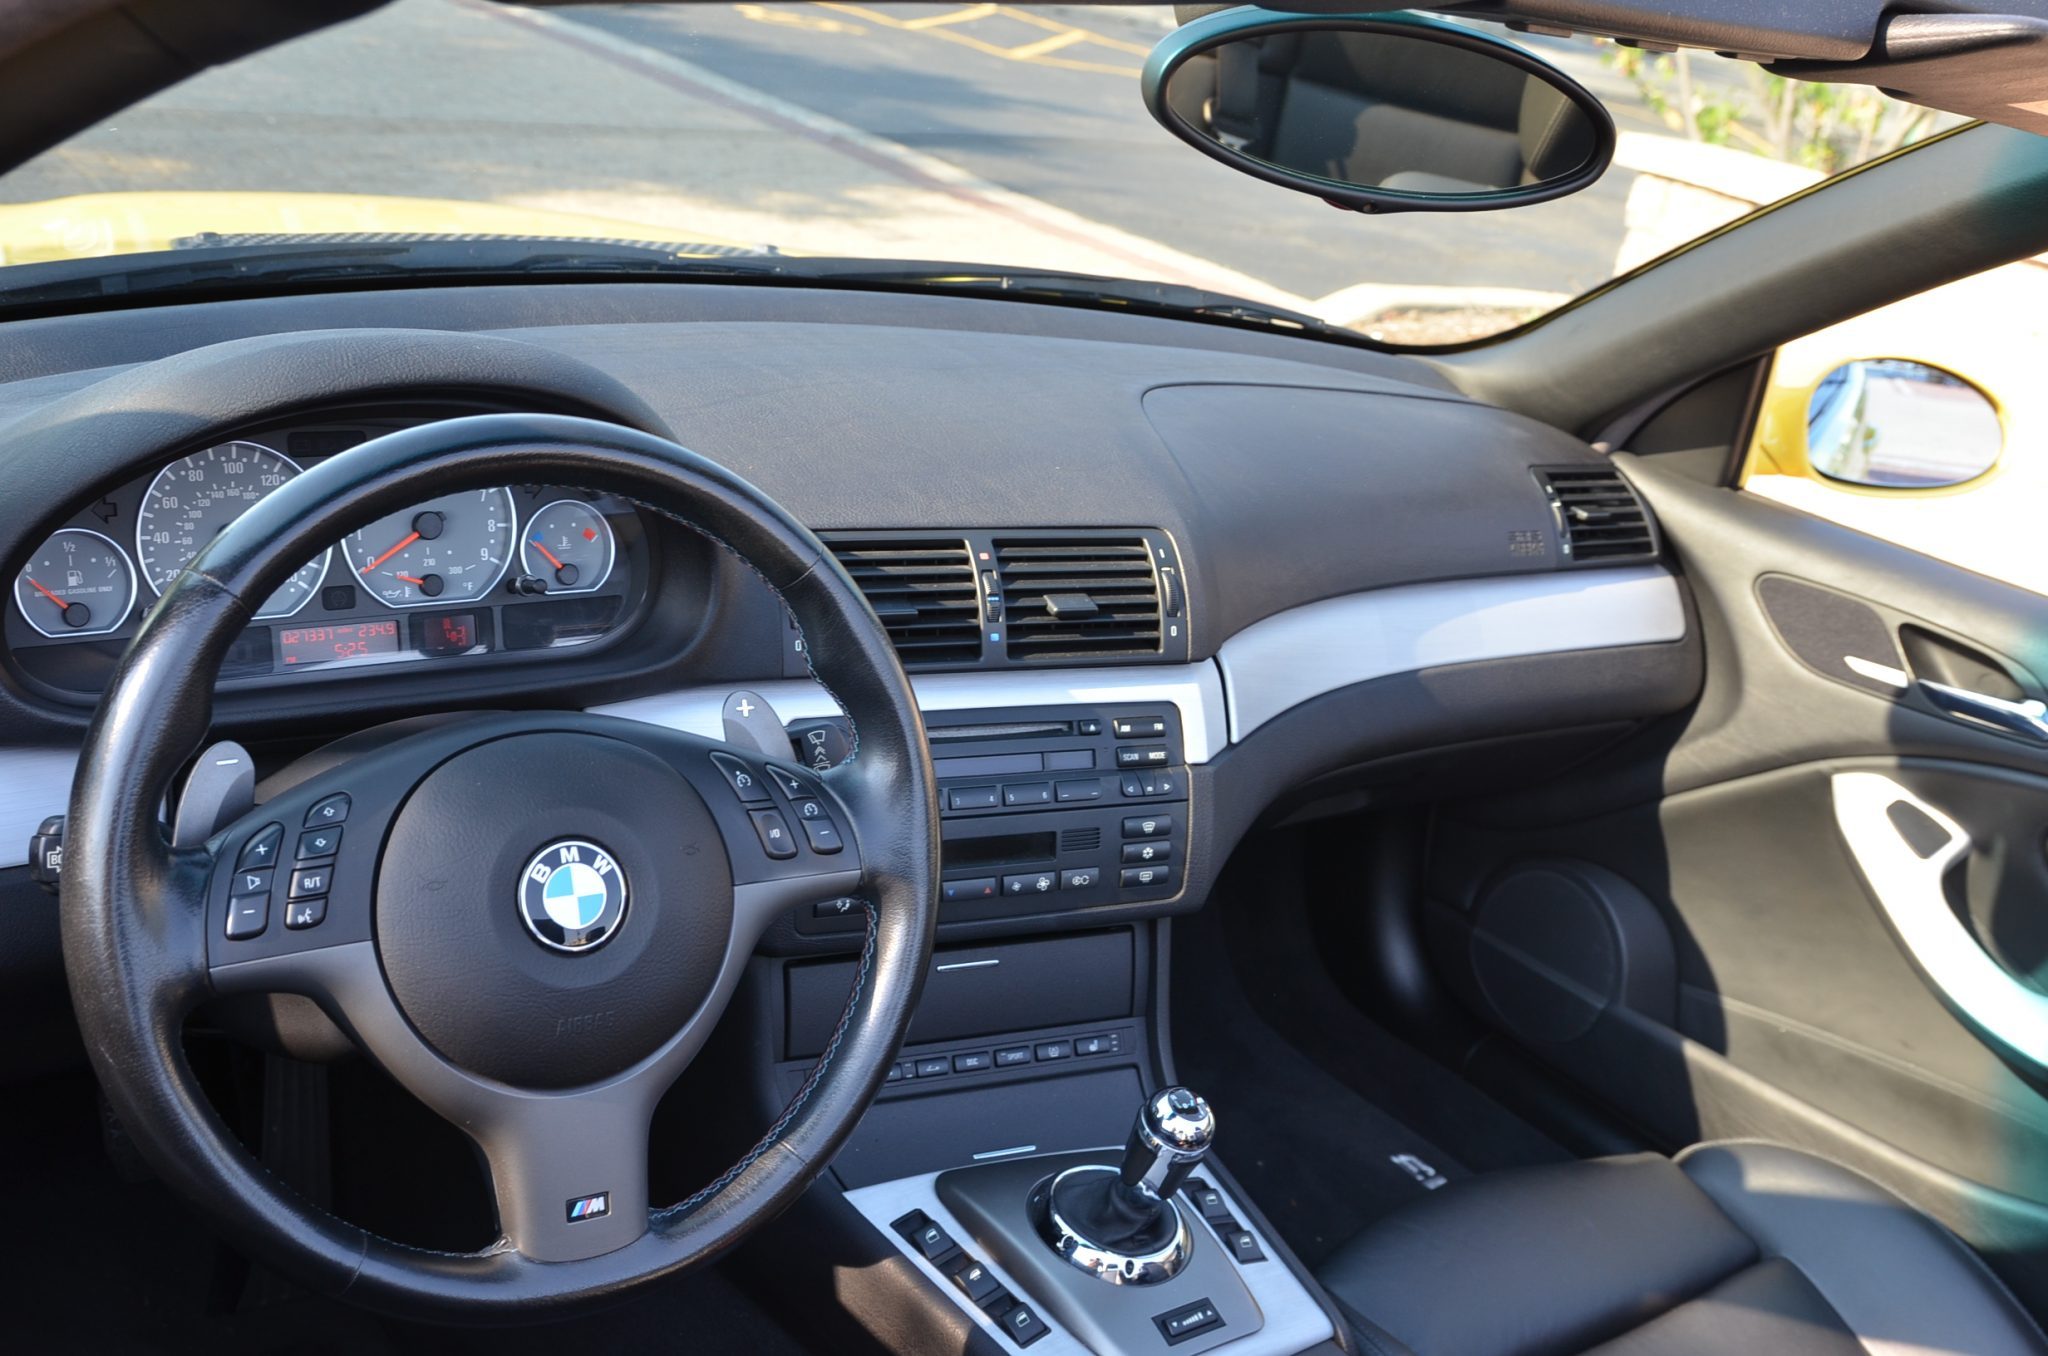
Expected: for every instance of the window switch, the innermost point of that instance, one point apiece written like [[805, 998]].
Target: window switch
[[1243, 1246], [1209, 1203], [1023, 1326], [927, 1236], [974, 1278]]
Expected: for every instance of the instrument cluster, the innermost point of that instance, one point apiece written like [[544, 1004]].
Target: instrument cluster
[[498, 572]]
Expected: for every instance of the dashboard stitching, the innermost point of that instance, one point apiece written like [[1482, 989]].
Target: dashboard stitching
[[803, 1094]]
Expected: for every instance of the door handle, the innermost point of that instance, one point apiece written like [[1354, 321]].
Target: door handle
[[2028, 718], [1904, 874]]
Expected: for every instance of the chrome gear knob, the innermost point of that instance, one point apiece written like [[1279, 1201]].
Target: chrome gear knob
[[1173, 1133]]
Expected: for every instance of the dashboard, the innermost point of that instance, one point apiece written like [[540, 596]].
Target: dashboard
[[477, 578], [1298, 566]]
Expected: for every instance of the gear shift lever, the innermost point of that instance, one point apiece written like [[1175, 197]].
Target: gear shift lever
[[1123, 1224], [1173, 1134]]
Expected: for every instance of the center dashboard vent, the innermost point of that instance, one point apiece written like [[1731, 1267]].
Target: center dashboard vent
[[923, 589], [1080, 598], [1599, 518]]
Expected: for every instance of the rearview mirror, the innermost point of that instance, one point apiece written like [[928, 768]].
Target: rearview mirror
[[1895, 424], [1387, 113]]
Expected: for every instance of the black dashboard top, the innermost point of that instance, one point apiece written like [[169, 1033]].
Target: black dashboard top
[[1286, 470]]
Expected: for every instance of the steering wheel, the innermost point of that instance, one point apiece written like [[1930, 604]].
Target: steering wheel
[[532, 921]]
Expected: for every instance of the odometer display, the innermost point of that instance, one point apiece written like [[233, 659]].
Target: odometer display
[[448, 550], [305, 647], [192, 499]]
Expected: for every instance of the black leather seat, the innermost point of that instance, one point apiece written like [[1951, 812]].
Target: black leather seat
[[1733, 1248]]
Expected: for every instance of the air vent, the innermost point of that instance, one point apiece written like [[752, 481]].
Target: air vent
[[1599, 518], [923, 590], [1079, 597]]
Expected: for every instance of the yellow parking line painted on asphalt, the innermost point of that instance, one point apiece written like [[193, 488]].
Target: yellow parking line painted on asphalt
[[1057, 26], [816, 23], [955, 16], [1039, 52], [1032, 50]]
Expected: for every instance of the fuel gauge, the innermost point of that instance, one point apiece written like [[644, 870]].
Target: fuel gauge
[[569, 544], [78, 583]]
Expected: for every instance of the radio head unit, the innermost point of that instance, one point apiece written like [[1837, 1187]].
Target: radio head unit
[[1050, 809]]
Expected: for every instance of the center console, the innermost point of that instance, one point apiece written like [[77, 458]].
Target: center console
[[999, 1160], [1103, 1251]]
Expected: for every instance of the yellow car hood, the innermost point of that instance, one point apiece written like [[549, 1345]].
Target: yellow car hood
[[95, 224]]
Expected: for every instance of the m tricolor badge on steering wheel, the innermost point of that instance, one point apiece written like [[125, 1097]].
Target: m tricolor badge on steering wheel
[[572, 895]]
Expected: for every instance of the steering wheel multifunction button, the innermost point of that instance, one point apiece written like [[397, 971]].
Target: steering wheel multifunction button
[[300, 914], [329, 810], [316, 843], [745, 782], [260, 852], [249, 915], [774, 833], [573, 896]]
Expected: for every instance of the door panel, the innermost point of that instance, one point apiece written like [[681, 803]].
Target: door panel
[[1768, 829]]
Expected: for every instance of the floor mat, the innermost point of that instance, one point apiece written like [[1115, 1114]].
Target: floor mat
[[1327, 1119]]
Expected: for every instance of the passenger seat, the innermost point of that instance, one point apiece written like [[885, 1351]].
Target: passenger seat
[[1737, 1247]]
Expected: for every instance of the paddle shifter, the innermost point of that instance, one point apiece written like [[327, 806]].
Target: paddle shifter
[[1123, 1225]]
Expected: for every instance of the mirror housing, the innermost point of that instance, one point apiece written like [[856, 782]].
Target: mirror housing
[[1885, 425], [1378, 113]]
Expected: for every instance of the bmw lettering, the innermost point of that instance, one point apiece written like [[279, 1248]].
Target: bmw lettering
[[572, 895]]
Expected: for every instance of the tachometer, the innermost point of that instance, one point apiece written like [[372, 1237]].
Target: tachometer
[[78, 583], [450, 550], [192, 499]]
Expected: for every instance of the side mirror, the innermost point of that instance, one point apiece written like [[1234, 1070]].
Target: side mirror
[[1897, 424], [1380, 113]]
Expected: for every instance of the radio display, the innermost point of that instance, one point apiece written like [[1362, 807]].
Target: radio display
[[305, 647], [957, 854]]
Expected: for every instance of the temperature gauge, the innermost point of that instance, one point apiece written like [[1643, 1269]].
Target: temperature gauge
[[569, 544], [78, 583]]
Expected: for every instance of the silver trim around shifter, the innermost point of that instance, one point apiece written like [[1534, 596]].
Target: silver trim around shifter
[[1294, 1321]]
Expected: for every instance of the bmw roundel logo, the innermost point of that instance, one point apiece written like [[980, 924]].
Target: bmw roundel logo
[[572, 895]]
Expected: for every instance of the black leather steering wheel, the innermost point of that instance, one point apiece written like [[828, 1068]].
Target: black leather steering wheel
[[551, 1059]]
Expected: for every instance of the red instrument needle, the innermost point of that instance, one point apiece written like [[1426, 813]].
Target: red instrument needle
[[549, 554], [410, 538], [59, 601]]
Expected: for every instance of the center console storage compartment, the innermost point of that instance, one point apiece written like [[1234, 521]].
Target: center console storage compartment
[[956, 1126], [982, 990]]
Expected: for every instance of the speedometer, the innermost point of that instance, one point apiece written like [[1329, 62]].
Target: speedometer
[[448, 550], [191, 500]]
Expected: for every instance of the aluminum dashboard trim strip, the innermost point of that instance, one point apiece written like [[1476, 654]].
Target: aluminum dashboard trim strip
[[34, 784], [1302, 653], [1196, 689]]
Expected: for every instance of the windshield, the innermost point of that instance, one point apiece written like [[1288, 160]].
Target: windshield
[[988, 134]]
